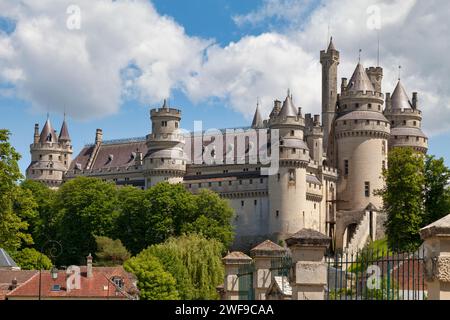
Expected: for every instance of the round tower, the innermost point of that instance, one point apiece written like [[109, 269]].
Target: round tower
[[50, 155], [287, 189], [405, 118], [361, 133], [165, 160]]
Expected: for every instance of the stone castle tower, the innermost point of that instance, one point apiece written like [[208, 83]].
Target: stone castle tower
[[287, 190], [330, 61], [51, 155], [165, 159]]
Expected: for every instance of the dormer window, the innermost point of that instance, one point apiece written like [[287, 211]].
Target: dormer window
[[118, 282]]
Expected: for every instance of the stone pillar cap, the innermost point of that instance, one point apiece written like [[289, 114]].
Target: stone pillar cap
[[308, 237], [236, 257], [437, 228], [268, 248]]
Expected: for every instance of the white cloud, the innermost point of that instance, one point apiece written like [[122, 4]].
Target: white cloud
[[413, 34], [90, 71], [80, 70]]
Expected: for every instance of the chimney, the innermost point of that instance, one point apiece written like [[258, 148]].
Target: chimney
[[343, 84], [36, 133], [415, 100], [316, 119], [388, 100], [14, 283], [89, 266], [98, 136]]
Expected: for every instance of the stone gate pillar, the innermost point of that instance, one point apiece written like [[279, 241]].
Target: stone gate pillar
[[263, 255], [309, 277], [437, 258], [232, 261]]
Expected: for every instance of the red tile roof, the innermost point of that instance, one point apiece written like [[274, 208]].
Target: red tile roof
[[99, 286]]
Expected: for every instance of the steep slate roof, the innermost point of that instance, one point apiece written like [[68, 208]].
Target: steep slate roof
[[5, 260], [257, 119], [64, 134], [93, 287], [400, 98], [360, 80], [331, 45], [47, 132], [288, 109]]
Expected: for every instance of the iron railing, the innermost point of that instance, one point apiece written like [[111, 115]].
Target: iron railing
[[376, 275]]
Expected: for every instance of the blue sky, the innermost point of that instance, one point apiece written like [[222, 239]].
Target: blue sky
[[214, 23]]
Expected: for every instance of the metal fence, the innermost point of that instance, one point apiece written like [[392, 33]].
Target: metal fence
[[376, 275]]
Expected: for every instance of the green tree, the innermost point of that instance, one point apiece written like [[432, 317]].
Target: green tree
[[196, 263], [403, 198], [212, 219], [437, 193], [31, 259], [110, 252], [169, 210], [42, 225], [85, 207], [15, 203], [153, 282]]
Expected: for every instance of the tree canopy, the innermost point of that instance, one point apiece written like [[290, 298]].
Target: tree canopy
[[16, 204], [192, 260], [110, 252], [31, 259], [403, 198]]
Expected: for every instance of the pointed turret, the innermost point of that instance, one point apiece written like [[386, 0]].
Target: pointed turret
[[257, 122], [64, 133], [331, 45], [360, 80], [47, 133], [399, 98], [288, 109]]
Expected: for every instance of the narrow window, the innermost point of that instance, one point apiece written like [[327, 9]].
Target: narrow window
[[277, 213], [242, 203], [346, 167], [370, 106], [229, 183], [292, 132], [367, 188], [255, 202]]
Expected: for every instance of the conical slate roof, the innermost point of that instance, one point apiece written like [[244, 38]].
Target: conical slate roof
[[400, 98], [288, 109], [360, 80], [331, 45], [47, 133], [257, 122], [64, 134]]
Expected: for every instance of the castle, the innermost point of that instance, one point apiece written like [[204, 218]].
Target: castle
[[327, 172]]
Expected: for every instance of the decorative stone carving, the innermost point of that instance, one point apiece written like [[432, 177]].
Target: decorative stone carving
[[443, 269]]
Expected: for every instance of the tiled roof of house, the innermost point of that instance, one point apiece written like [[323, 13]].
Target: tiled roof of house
[[99, 286], [8, 276]]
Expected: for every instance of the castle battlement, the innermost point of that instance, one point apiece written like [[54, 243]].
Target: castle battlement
[[361, 94], [165, 112]]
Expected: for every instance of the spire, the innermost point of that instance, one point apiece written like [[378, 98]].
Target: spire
[[360, 80], [331, 45], [165, 105], [399, 98], [64, 133], [257, 122], [47, 133], [288, 109]]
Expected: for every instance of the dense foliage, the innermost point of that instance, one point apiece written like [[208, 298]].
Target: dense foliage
[[31, 259], [193, 261], [110, 252], [416, 194]]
